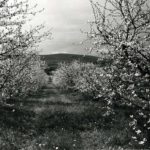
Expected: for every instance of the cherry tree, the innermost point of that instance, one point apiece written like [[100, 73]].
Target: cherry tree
[[18, 56], [120, 33]]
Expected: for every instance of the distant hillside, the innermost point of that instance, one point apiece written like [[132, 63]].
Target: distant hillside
[[54, 59], [57, 58]]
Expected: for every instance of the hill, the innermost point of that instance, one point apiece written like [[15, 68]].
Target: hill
[[54, 59]]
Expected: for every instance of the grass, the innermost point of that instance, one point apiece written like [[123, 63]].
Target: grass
[[56, 120]]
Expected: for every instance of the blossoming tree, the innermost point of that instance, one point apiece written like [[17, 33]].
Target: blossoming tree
[[122, 29], [18, 59]]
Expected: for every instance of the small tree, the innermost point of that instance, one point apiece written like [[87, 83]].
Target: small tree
[[66, 73], [25, 75], [122, 29]]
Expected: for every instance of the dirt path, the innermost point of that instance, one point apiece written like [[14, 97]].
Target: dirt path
[[52, 99], [52, 120]]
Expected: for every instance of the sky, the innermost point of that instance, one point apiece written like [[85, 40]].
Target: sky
[[66, 19]]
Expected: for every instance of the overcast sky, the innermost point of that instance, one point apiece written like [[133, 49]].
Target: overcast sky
[[66, 18]]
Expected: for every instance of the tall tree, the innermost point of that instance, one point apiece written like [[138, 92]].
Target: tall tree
[[122, 28]]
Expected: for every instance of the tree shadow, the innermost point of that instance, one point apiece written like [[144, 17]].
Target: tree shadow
[[17, 118]]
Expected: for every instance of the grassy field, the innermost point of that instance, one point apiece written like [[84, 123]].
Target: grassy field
[[58, 120]]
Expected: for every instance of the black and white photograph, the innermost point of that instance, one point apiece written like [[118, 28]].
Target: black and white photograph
[[74, 74]]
